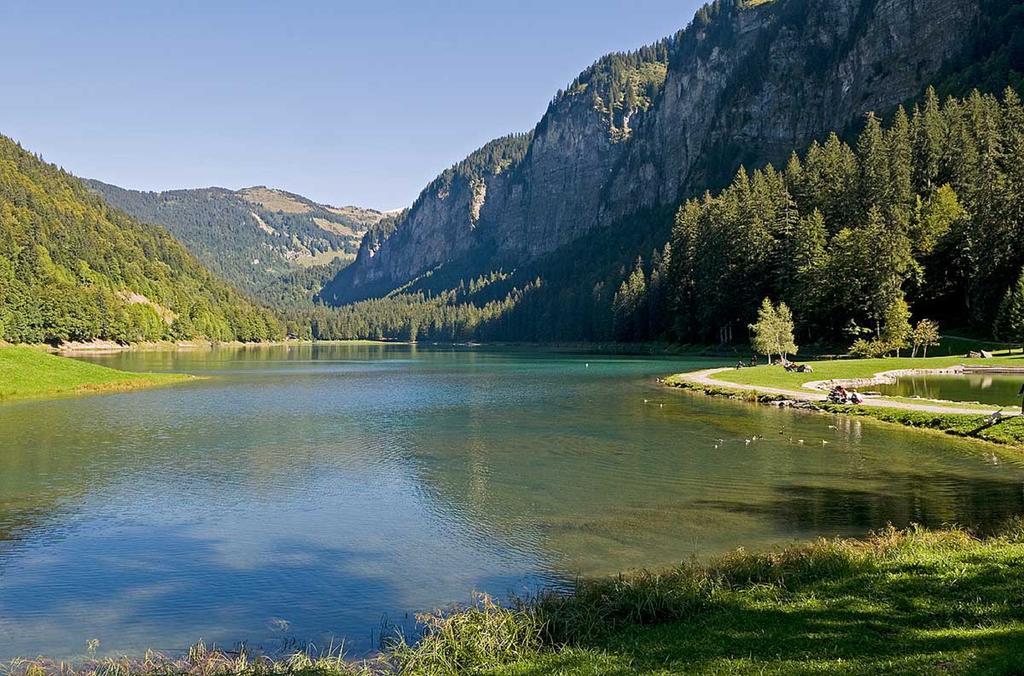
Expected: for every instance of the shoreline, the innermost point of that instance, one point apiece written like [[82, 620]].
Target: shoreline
[[961, 419], [28, 373], [110, 347], [610, 348], [708, 617]]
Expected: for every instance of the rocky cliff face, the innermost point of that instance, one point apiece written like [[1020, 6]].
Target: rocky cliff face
[[742, 84]]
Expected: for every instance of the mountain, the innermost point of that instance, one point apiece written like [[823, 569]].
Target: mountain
[[567, 208], [73, 268], [266, 242]]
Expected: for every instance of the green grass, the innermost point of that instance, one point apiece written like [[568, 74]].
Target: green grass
[[987, 408], [776, 376], [898, 603], [27, 372], [962, 344], [1009, 431]]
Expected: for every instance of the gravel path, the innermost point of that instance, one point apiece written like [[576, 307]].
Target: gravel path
[[705, 377]]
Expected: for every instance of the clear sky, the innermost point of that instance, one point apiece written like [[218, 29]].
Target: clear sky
[[345, 102]]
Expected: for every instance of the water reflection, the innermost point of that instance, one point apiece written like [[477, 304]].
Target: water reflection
[[934, 500], [983, 388], [303, 493]]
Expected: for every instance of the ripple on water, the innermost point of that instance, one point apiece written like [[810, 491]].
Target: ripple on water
[[303, 493]]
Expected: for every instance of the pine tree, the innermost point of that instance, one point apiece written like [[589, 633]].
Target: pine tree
[[806, 291], [1009, 324], [875, 176], [629, 304], [928, 131], [901, 164]]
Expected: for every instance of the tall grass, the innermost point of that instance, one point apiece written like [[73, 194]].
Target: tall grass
[[485, 635], [480, 636], [203, 661]]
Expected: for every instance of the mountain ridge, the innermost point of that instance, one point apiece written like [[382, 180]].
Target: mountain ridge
[[254, 237], [72, 268], [743, 84]]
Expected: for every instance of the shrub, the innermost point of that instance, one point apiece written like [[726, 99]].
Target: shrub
[[869, 349]]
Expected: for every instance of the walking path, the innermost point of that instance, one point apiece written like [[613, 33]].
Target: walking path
[[706, 377]]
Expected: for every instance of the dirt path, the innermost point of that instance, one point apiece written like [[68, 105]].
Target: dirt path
[[705, 378]]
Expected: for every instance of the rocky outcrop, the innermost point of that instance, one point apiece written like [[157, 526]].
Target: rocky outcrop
[[743, 84]]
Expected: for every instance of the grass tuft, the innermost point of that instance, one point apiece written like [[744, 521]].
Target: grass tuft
[[471, 638]]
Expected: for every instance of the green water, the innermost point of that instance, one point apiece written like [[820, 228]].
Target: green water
[[306, 493], [992, 389]]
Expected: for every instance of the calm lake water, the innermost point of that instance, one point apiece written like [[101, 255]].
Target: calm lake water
[[305, 493], [993, 389]]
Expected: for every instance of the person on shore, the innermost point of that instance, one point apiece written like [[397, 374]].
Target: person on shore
[[838, 395]]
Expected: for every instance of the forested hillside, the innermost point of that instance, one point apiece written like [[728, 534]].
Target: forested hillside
[[567, 240], [926, 213], [72, 268], [276, 246]]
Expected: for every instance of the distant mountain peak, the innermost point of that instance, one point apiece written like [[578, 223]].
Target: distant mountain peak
[[256, 237]]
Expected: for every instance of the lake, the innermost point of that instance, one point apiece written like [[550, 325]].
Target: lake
[[313, 493]]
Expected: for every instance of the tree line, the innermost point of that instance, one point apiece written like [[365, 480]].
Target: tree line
[[920, 218], [917, 218], [71, 268]]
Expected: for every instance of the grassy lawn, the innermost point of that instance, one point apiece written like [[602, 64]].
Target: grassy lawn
[[28, 372], [776, 376], [899, 603]]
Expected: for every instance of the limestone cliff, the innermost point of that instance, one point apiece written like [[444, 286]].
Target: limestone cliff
[[744, 83]]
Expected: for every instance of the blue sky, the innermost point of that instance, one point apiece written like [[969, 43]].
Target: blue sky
[[346, 102]]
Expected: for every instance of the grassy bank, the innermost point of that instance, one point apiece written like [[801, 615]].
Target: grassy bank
[[899, 602], [1009, 431], [28, 372], [772, 383], [848, 369]]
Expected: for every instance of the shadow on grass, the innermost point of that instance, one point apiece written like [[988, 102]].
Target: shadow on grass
[[959, 612]]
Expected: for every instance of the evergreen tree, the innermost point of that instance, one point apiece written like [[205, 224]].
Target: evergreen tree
[[875, 174], [1009, 324], [899, 146], [928, 137], [629, 303]]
